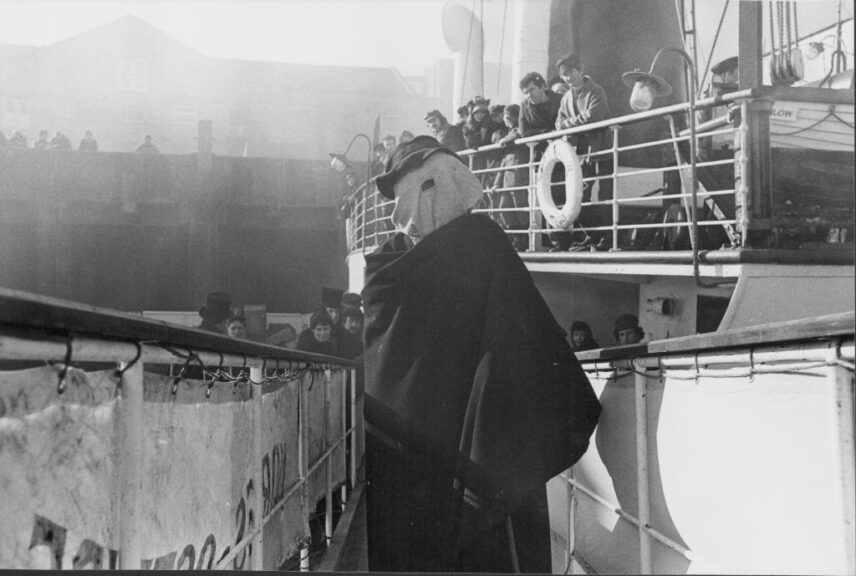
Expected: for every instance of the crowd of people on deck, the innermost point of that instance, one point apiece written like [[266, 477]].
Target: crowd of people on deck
[[60, 141], [335, 327], [569, 99]]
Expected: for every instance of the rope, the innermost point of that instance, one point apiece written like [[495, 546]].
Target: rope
[[715, 39], [796, 27], [788, 25], [501, 45], [772, 47], [467, 52]]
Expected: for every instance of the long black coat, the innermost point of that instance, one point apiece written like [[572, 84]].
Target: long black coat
[[473, 396]]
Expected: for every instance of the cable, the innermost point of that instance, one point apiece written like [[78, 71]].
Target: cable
[[501, 46], [713, 46]]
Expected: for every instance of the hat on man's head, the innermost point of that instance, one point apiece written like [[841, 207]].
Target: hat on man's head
[[217, 306], [626, 321], [408, 156], [480, 103], [331, 297], [352, 300], [724, 66], [572, 61]]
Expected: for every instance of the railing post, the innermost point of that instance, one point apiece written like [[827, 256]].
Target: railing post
[[841, 415], [328, 467], [752, 174], [131, 466], [615, 129], [345, 376], [256, 556], [534, 224], [642, 492], [354, 427]]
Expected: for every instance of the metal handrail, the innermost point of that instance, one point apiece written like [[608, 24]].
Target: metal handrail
[[736, 225]]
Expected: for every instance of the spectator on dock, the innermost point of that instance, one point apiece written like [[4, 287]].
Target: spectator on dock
[[627, 330], [216, 311], [147, 146], [581, 337], [236, 327], [378, 163], [42, 142], [318, 338], [344, 343], [88, 143], [558, 85], [539, 108], [17, 140], [513, 176], [452, 137], [352, 301], [495, 112], [59, 142], [478, 131], [352, 321], [538, 113], [586, 103], [462, 112]]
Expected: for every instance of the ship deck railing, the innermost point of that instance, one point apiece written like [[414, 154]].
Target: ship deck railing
[[185, 448], [753, 202], [721, 453]]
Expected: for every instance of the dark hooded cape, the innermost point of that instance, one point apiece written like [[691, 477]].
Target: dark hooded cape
[[473, 396]]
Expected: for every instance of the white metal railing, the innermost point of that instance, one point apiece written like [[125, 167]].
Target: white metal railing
[[784, 409], [636, 208], [256, 395]]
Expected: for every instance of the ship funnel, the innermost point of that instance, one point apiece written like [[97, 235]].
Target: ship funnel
[[465, 37]]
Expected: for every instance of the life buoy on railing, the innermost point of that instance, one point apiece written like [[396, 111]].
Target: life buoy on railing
[[560, 151]]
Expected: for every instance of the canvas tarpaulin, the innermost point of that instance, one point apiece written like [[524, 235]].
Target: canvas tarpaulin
[[60, 457]]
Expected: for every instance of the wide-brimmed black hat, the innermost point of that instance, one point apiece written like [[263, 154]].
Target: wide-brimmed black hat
[[408, 156], [217, 306], [724, 66], [331, 297]]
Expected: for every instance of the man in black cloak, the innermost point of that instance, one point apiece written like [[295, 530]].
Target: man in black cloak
[[473, 397]]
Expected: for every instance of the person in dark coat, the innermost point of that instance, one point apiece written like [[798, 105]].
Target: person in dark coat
[[474, 399], [449, 135], [216, 311], [88, 143], [581, 337], [318, 338]]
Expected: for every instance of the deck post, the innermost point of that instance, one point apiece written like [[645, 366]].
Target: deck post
[[641, 389], [256, 556], [130, 468], [615, 216], [328, 466], [841, 414]]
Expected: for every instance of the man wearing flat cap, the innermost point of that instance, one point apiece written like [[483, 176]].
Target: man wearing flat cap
[[449, 135], [474, 399]]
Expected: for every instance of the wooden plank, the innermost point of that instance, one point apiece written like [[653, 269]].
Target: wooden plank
[[32, 312], [348, 551]]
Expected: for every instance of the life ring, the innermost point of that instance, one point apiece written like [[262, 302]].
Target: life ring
[[562, 218]]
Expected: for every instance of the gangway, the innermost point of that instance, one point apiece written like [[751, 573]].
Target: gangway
[[131, 443]]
